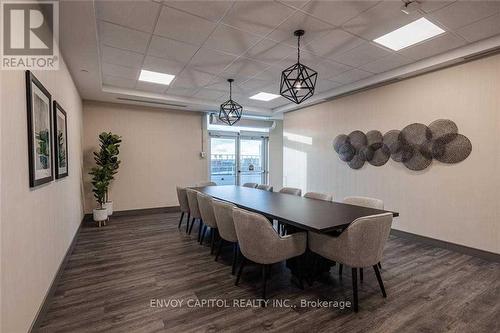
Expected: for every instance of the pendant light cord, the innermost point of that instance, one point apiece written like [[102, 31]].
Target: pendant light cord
[[230, 90], [298, 49]]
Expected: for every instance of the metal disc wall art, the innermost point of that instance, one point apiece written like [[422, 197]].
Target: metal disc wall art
[[415, 146]]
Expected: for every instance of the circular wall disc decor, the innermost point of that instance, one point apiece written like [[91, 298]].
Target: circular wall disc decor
[[391, 140], [339, 141], [380, 156], [454, 151], [415, 146], [357, 162], [443, 128], [415, 134], [346, 152], [417, 161], [374, 139], [357, 139]]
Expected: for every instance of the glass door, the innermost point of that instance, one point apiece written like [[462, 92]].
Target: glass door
[[223, 160], [251, 161]]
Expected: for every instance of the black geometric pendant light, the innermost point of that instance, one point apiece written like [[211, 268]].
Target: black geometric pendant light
[[298, 81], [230, 111]]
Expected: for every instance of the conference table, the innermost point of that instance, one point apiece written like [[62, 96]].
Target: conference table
[[297, 214]]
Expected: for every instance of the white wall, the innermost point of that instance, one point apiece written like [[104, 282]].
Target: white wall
[[276, 156], [160, 149], [37, 225], [456, 203]]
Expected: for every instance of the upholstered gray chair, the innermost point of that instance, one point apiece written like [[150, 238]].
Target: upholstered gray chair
[[223, 212], [183, 203], [291, 190], [364, 202], [251, 185], [265, 187], [260, 243], [202, 184], [319, 196], [192, 196], [360, 245], [208, 217]]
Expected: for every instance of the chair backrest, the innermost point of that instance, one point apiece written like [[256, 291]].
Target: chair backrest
[[206, 210], [365, 202], [251, 185], [291, 190], [256, 236], [265, 187], [183, 200], [319, 196], [192, 196], [364, 240], [223, 212], [201, 184]]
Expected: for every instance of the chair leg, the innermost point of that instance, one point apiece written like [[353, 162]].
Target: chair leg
[[180, 220], [192, 224], [221, 242], [379, 279], [340, 269], [203, 232], [200, 230], [235, 257], [240, 270], [187, 224], [300, 272], [212, 240], [354, 274], [265, 274], [361, 275], [379, 265]]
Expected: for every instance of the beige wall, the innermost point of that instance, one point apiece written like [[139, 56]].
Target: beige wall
[[160, 149], [456, 203], [37, 225], [276, 156]]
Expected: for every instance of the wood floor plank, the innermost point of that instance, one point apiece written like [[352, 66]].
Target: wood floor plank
[[116, 271]]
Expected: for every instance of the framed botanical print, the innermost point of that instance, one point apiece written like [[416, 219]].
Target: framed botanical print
[[60, 141], [39, 106]]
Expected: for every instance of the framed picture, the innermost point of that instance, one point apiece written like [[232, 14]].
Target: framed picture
[[39, 104], [60, 141]]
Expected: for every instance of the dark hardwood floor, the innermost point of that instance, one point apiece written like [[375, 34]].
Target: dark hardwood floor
[[115, 272]]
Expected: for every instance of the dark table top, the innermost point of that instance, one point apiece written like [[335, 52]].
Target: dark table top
[[304, 213]]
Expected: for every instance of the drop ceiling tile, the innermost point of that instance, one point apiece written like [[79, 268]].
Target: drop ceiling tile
[[297, 4], [171, 49], [256, 84], [116, 56], [430, 6], [313, 28], [462, 13], [179, 91], [325, 85], [337, 12], [328, 68], [209, 94], [192, 78], [334, 43], [385, 17], [229, 40], [244, 68], [362, 54], [436, 45], [387, 63], [120, 71], [184, 27], [151, 87], [123, 38], [482, 29], [118, 82], [273, 73], [269, 51], [351, 76], [162, 65], [210, 10], [139, 15], [220, 83], [211, 61], [257, 17]]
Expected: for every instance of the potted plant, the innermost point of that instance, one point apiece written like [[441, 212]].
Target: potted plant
[[107, 158], [100, 183]]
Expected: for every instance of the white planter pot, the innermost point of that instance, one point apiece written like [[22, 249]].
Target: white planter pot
[[100, 214], [109, 206]]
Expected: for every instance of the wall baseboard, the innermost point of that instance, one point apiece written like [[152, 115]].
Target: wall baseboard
[[142, 211], [44, 307], [489, 256]]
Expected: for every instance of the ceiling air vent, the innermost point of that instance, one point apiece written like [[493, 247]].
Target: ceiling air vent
[[482, 54], [151, 102]]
